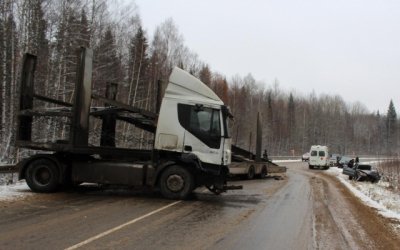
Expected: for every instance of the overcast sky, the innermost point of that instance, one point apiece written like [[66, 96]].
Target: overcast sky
[[345, 47]]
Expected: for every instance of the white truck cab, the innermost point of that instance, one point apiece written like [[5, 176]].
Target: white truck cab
[[193, 119], [319, 157]]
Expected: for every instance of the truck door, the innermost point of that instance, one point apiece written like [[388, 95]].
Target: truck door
[[203, 133]]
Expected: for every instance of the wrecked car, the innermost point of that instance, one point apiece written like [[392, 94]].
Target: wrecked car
[[362, 172], [344, 161]]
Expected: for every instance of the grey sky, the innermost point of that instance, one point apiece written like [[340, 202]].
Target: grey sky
[[345, 47]]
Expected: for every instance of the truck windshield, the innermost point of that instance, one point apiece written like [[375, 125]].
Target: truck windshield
[[206, 120]]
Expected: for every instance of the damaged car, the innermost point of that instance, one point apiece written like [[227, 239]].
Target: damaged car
[[344, 161], [362, 172]]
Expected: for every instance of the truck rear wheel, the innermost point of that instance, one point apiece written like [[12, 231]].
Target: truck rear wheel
[[176, 182], [42, 176], [250, 173]]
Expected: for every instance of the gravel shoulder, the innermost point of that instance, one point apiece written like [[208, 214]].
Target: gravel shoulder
[[341, 220]]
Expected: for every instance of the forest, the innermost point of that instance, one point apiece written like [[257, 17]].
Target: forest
[[124, 54]]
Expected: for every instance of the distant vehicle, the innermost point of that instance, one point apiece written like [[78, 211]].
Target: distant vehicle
[[361, 172], [305, 157], [334, 160], [319, 157], [344, 161]]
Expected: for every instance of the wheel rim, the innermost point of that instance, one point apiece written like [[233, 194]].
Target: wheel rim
[[42, 175], [175, 183]]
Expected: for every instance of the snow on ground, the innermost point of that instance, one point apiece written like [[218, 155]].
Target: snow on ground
[[14, 191], [375, 195], [280, 161]]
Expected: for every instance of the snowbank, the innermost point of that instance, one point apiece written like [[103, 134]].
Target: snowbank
[[280, 161], [375, 195], [14, 191]]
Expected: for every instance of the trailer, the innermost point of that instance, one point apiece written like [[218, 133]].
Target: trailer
[[250, 168], [249, 165], [192, 144]]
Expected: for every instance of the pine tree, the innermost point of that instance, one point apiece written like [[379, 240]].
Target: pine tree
[[291, 119], [391, 129], [138, 64], [270, 116], [84, 30], [107, 62]]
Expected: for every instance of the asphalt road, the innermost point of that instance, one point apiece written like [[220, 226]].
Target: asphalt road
[[305, 210]]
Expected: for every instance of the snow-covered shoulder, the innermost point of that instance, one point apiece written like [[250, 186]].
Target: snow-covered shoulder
[[14, 191], [375, 195]]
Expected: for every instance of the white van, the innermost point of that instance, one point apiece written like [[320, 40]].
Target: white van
[[319, 157]]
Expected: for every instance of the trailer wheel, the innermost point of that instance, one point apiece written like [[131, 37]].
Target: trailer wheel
[[251, 173], [42, 176], [176, 182], [263, 172]]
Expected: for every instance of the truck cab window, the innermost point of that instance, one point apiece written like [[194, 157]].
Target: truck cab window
[[203, 123]]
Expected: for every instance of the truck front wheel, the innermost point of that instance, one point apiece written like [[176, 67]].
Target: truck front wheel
[[42, 176], [176, 182]]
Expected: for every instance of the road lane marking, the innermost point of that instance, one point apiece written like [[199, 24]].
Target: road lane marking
[[120, 227]]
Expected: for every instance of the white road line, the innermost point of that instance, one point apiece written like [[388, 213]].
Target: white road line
[[120, 227]]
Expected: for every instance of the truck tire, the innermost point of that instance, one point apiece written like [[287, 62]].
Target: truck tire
[[310, 167], [42, 176], [251, 173], [176, 182], [264, 172]]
